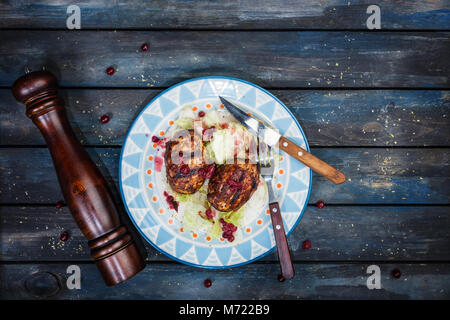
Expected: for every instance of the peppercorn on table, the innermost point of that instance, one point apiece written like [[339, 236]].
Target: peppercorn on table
[[373, 103]]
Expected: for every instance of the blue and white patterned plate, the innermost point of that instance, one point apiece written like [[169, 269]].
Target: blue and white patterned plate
[[142, 190]]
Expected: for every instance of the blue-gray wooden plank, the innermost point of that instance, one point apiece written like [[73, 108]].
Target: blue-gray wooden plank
[[329, 118], [272, 59], [255, 281], [374, 175], [337, 233], [244, 14]]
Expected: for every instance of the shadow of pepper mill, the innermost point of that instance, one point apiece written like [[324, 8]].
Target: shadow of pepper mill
[[85, 189]]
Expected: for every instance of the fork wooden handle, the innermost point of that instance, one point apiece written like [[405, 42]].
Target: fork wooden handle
[[319, 166], [284, 255]]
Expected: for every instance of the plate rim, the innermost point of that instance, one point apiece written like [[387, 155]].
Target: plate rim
[[120, 172]]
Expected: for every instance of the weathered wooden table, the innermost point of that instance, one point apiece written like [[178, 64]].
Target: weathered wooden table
[[373, 103]]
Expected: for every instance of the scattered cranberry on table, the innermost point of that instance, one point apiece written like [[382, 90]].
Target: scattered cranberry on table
[[144, 47], [207, 283], [281, 278], [320, 204], [64, 236], [110, 71], [209, 213], [104, 119], [59, 204], [306, 244], [396, 273], [155, 139], [201, 114]]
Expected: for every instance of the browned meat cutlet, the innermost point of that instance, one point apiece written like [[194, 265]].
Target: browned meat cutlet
[[183, 176], [232, 185]]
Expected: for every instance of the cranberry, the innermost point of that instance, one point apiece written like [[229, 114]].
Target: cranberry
[[306, 245], [210, 171], [110, 71], [320, 204], [201, 114], [233, 183], [185, 169], [209, 213], [280, 278], [180, 154], [59, 204], [64, 236], [396, 273], [165, 194], [231, 238], [207, 283], [224, 125], [155, 139], [144, 47], [202, 172], [104, 119]]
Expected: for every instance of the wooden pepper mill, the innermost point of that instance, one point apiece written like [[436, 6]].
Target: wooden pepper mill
[[85, 189]]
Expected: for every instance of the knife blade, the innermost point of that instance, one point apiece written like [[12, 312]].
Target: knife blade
[[275, 139]]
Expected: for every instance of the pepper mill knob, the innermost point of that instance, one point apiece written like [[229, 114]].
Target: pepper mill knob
[[84, 188]]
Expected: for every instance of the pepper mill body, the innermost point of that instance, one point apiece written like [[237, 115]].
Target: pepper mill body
[[84, 188]]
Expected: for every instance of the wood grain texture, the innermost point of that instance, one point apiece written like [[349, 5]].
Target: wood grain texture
[[247, 14], [374, 176], [337, 233], [175, 281], [271, 59], [329, 118]]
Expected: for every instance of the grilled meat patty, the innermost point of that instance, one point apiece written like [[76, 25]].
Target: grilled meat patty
[[183, 173], [232, 185]]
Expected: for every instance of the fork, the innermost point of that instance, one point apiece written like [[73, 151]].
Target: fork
[[265, 164]]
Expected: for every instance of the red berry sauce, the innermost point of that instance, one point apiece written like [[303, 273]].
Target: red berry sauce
[[173, 204], [228, 230]]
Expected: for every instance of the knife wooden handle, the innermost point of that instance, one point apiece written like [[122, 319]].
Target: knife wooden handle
[[319, 166], [284, 255]]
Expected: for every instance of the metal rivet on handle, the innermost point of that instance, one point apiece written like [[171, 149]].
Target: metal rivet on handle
[[274, 210], [299, 153], [285, 144], [278, 227]]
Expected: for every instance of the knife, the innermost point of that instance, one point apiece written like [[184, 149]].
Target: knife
[[275, 139]]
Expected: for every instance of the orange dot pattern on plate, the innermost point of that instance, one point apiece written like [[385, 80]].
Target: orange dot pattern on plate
[[161, 210], [150, 185], [281, 171], [150, 158], [281, 159], [194, 108], [181, 230], [161, 133], [208, 238], [222, 239], [170, 221], [279, 185], [268, 211], [221, 106], [149, 171], [259, 221], [154, 198], [171, 122], [248, 230], [208, 106], [155, 145], [194, 235]]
